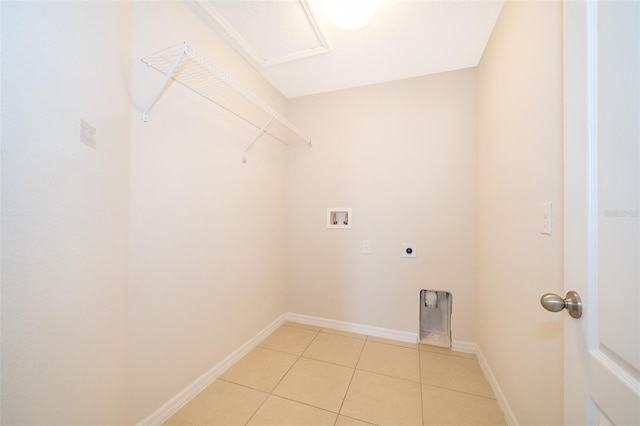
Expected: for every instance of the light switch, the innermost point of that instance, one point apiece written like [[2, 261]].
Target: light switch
[[87, 134], [546, 215], [366, 247]]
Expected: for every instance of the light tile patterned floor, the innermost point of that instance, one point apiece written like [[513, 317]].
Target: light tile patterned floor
[[305, 375]]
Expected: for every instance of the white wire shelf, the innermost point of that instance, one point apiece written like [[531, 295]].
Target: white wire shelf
[[185, 65]]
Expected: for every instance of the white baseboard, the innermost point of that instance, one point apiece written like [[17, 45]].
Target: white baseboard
[[461, 346], [172, 406], [403, 336], [509, 416]]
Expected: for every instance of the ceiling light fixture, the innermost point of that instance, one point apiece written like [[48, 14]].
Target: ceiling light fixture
[[351, 14]]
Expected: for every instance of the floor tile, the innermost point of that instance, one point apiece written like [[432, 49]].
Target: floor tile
[[221, 403], [390, 360], [335, 348], [345, 333], [283, 412], [392, 342], [455, 373], [446, 407], [446, 351], [260, 369], [319, 376], [293, 340], [316, 383], [300, 325], [348, 421], [383, 400]]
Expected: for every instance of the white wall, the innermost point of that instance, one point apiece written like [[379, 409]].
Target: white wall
[[65, 212], [207, 232], [520, 167], [402, 155]]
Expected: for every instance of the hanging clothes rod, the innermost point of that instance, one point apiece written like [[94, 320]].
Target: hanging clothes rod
[[185, 65]]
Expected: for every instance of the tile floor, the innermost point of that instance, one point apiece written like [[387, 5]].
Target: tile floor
[[305, 375]]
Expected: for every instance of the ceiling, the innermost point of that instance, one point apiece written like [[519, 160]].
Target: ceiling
[[295, 46]]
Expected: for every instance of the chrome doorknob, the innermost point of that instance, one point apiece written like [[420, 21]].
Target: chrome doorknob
[[571, 302]]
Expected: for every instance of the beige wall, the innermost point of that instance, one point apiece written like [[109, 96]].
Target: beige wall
[[197, 235], [213, 250], [207, 231], [65, 212], [519, 168], [402, 155]]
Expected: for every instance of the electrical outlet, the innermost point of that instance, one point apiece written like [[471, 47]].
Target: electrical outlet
[[408, 250]]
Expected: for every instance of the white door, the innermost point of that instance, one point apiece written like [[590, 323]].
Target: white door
[[602, 211]]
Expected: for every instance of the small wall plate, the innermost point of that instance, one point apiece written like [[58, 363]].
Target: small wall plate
[[408, 250], [339, 218], [87, 134]]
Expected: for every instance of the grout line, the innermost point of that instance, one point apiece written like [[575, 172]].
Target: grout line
[[294, 363], [242, 385], [327, 362], [388, 375], [286, 372], [455, 354], [392, 377], [276, 350], [292, 400], [305, 403], [311, 341], [352, 374], [358, 420], [421, 392], [341, 333], [395, 346], [460, 391], [256, 410], [451, 356]]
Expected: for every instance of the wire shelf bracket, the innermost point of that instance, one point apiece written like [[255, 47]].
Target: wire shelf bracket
[[194, 71]]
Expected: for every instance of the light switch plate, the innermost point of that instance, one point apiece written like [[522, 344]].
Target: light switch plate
[[366, 247], [87, 134], [546, 216]]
